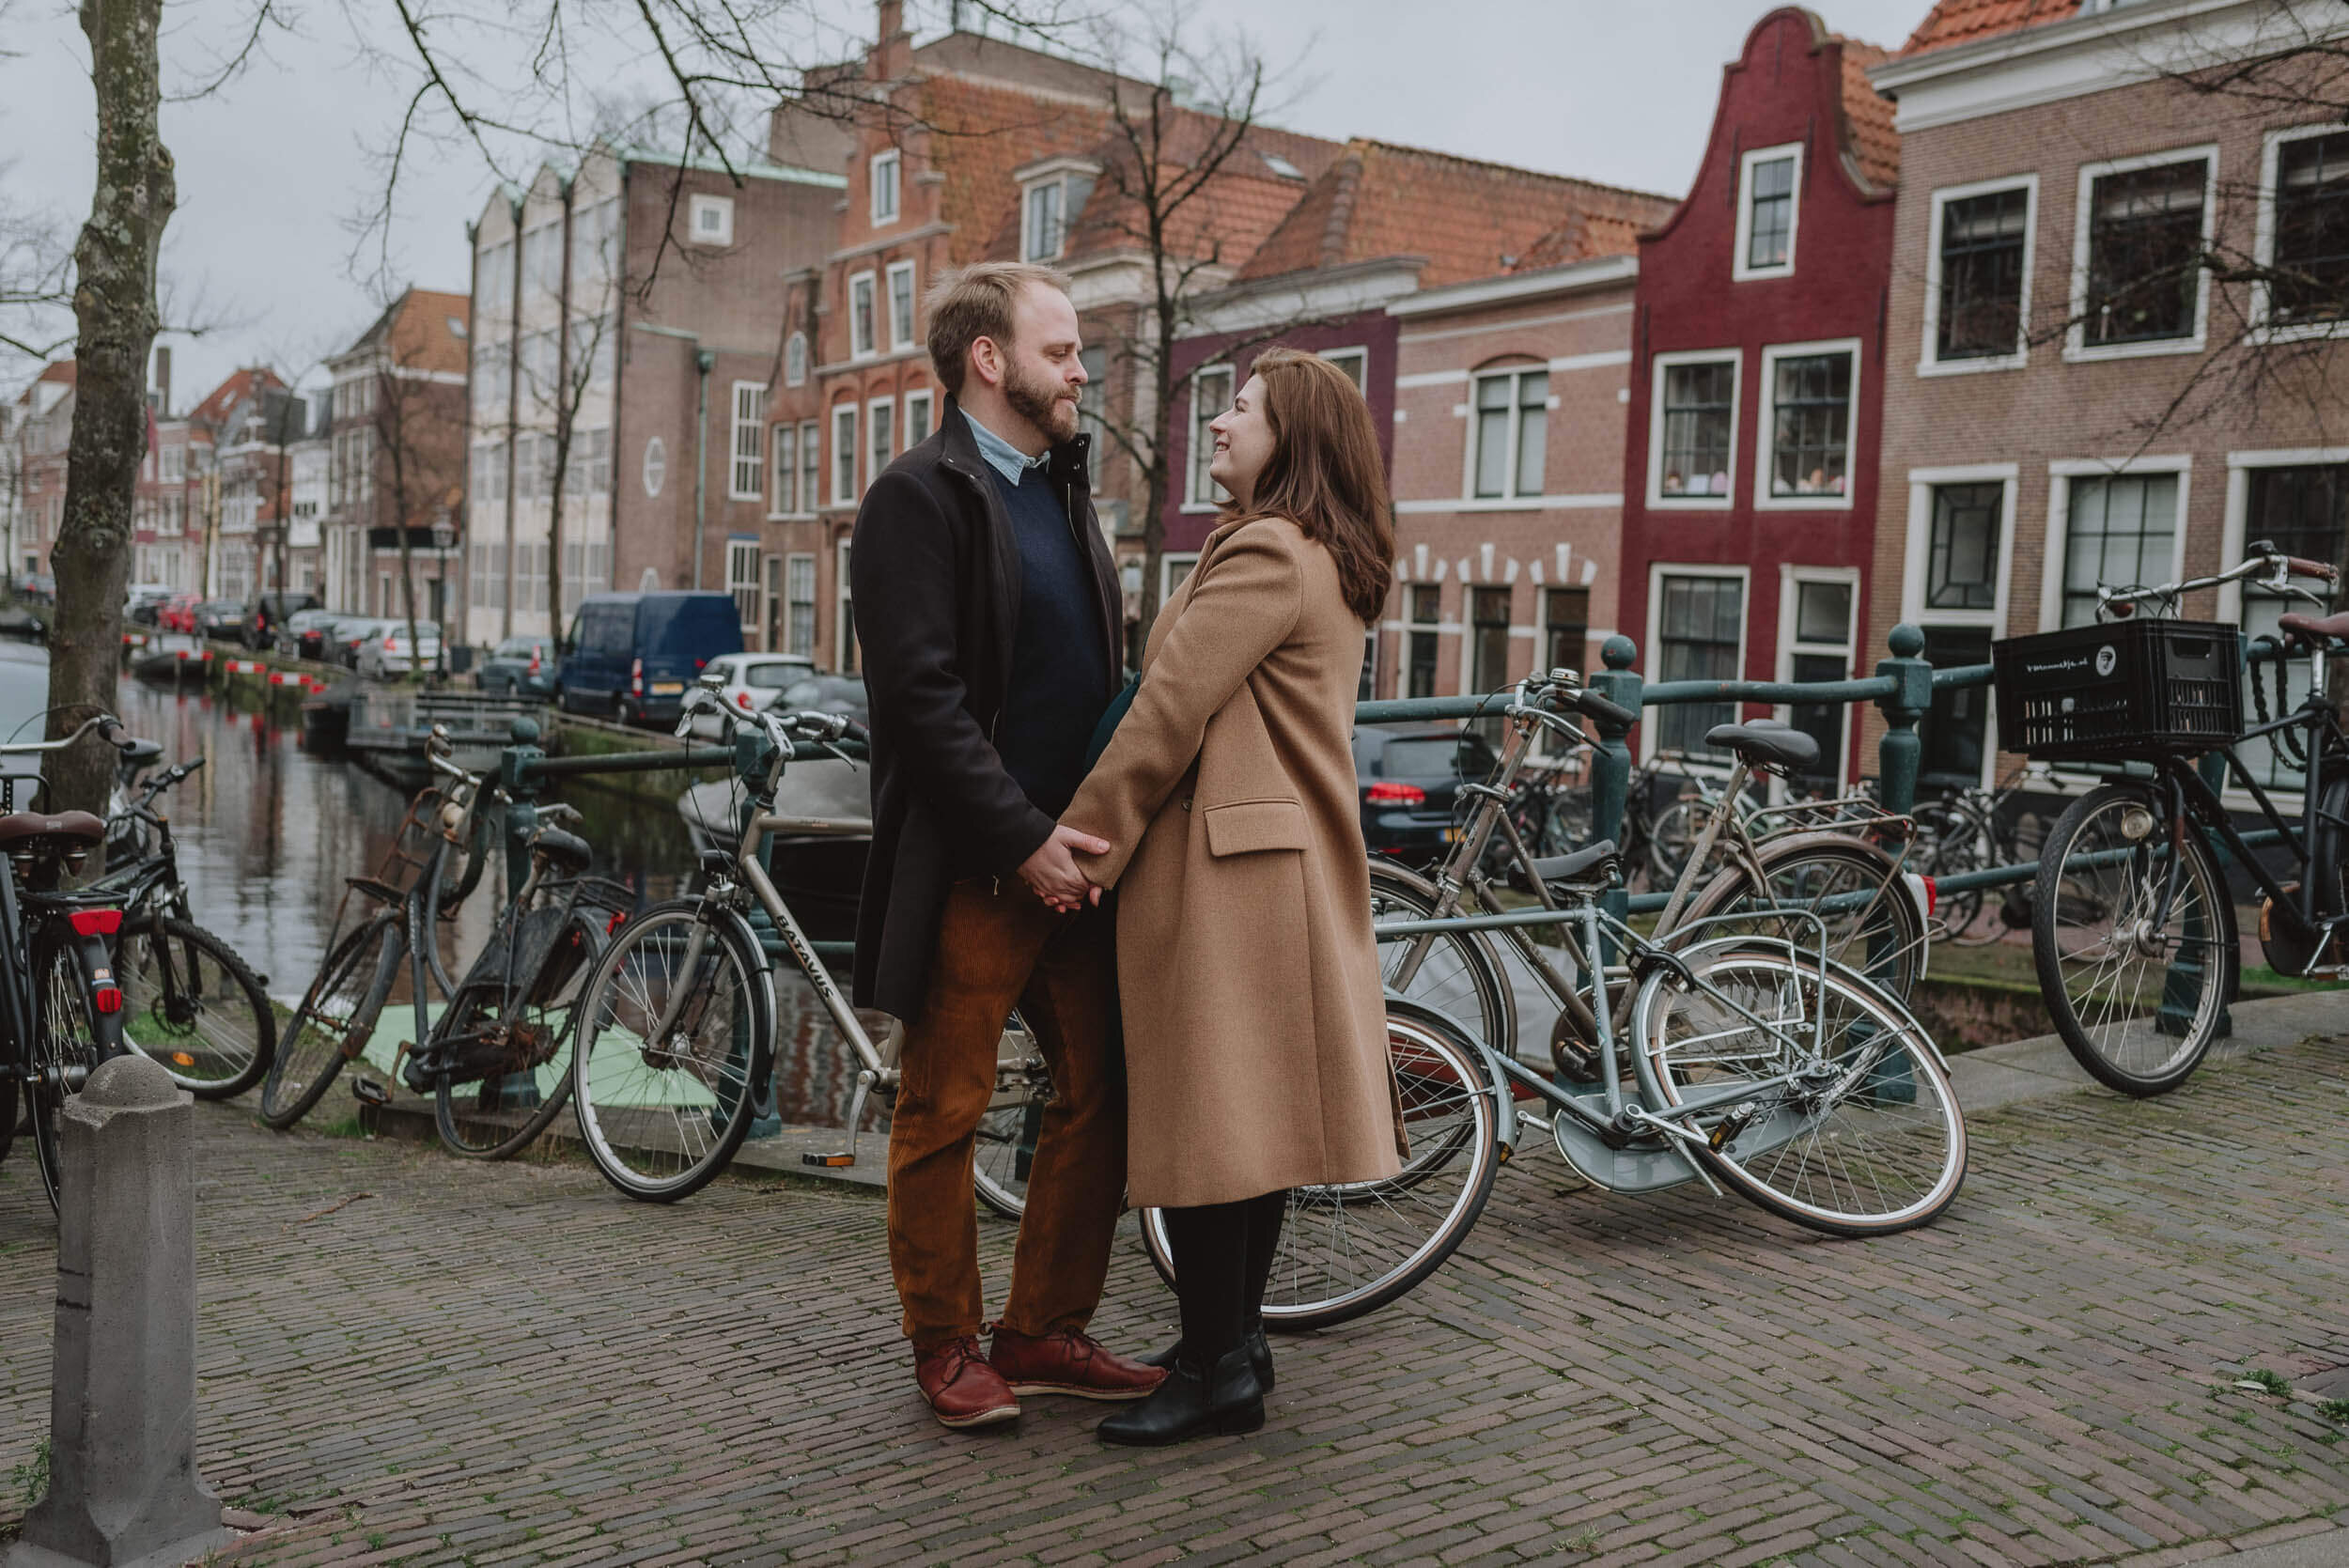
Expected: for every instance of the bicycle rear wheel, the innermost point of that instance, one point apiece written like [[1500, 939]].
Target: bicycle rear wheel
[[2136, 952], [1457, 973], [70, 1037], [1851, 1128], [1350, 1249], [191, 1003], [517, 1042], [1014, 1120], [661, 1117], [334, 1022], [1871, 920]]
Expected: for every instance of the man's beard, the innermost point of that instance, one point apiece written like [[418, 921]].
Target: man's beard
[[1039, 400]]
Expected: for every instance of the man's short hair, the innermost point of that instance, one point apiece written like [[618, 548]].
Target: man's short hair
[[974, 303]]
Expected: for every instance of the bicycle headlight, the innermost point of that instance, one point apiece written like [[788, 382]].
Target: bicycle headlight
[[2136, 823]]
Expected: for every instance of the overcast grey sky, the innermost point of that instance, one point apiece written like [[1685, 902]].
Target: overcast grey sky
[[274, 170]]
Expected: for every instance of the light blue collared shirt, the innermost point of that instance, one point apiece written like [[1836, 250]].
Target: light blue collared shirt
[[1000, 454]]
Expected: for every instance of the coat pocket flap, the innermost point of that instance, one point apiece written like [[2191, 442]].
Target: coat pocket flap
[[1244, 827]]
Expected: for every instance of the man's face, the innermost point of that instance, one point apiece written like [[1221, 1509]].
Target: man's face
[[1043, 367]]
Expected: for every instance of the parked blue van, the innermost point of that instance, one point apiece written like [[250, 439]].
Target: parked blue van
[[631, 656]]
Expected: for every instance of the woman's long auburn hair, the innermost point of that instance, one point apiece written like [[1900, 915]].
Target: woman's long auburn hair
[[1326, 474]]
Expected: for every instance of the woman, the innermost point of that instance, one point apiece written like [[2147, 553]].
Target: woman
[[1255, 1033]]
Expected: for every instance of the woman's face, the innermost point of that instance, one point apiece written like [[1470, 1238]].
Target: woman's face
[[1243, 442]]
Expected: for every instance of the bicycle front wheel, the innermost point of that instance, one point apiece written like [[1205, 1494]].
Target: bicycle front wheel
[[2134, 946], [676, 1032], [334, 1022], [1349, 1250], [1848, 1125], [1455, 972], [191, 1003], [515, 1040]]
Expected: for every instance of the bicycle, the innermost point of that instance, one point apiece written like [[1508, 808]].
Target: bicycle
[[1975, 830], [192, 1004], [2133, 928], [61, 1010]]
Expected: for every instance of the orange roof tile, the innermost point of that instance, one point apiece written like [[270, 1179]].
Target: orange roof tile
[[1468, 219], [1953, 22], [1868, 134], [986, 132], [223, 401]]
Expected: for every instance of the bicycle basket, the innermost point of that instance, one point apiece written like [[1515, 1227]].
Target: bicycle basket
[[2120, 691]]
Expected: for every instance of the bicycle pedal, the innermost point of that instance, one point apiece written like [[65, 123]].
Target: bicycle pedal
[[368, 1092], [830, 1162]]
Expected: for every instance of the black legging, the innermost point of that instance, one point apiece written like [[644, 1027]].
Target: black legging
[[1222, 1259]]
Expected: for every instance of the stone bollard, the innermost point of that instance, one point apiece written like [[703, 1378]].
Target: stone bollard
[[123, 1491]]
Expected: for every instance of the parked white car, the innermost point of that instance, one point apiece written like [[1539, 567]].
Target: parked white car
[[753, 681], [386, 652]]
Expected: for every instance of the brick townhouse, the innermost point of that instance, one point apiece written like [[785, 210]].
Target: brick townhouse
[[1750, 473], [397, 462], [975, 147], [2074, 413], [43, 428]]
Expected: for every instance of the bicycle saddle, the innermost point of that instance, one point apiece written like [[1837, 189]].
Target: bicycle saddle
[[1765, 742], [567, 854], [2313, 629], [1596, 863], [21, 832]]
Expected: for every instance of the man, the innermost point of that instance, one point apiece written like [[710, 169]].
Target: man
[[990, 622]]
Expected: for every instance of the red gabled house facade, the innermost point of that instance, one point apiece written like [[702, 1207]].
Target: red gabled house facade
[[1750, 459]]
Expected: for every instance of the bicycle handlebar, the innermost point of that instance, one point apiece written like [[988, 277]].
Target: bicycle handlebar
[[2301, 566], [1595, 706], [109, 729]]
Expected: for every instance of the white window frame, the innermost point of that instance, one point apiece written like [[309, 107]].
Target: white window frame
[[1657, 366], [1192, 468], [795, 359], [810, 467], [738, 550], [1790, 582], [783, 479], [876, 409], [791, 565], [2062, 474], [1173, 566], [1028, 251], [1922, 483], [2265, 331], [1738, 271], [2076, 347], [1657, 572], [1359, 353], [1511, 498], [895, 166], [900, 339], [1765, 432], [752, 395], [721, 233], [842, 600], [928, 399], [844, 415], [1927, 363], [869, 346]]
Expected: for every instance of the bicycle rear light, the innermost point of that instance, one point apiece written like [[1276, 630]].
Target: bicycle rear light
[[96, 923]]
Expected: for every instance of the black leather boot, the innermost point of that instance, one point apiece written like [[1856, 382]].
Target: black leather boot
[[1192, 1402], [1259, 1356]]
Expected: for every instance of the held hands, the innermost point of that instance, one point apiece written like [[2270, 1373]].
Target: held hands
[[1053, 874]]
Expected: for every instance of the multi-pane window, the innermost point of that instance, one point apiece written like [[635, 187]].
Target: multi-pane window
[[1810, 423], [2121, 530], [1955, 730], [2302, 510], [595, 233], [795, 359], [750, 430], [711, 220], [1699, 635], [1210, 394], [587, 465], [919, 422], [2310, 256], [786, 499], [861, 340], [1769, 213], [1489, 639], [1354, 362], [2144, 253], [799, 622], [1512, 425], [901, 304], [1819, 648], [885, 169], [1040, 226], [1979, 306], [844, 454], [1565, 626], [882, 427], [811, 465], [742, 583], [1962, 555], [1426, 612], [1698, 401]]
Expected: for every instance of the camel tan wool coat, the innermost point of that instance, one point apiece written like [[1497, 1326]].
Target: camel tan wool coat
[[1255, 1024]]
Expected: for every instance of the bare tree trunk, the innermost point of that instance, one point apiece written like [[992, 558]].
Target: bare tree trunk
[[114, 304]]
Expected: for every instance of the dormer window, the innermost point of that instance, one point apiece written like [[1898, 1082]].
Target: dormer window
[[1769, 182], [1050, 196], [884, 182]]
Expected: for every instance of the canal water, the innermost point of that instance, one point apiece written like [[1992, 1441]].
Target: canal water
[[267, 833]]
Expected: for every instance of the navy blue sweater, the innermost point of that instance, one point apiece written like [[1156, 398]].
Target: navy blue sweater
[[1060, 686]]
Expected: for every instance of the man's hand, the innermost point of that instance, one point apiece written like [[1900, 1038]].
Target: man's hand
[[1052, 870]]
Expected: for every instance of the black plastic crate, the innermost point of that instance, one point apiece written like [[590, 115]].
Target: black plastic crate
[[2118, 689]]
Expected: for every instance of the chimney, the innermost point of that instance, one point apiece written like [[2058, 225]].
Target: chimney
[[895, 58], [163, 380]]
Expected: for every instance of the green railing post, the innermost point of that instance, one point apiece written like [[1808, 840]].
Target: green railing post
[[1910, 698], [1610, 761], [521, 794]]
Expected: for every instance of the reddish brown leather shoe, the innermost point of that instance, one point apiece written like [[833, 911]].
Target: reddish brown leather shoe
[[964, 1390], [1069, 1363]]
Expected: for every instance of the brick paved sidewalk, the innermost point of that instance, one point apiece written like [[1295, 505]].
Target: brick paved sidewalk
[[508, 1363]]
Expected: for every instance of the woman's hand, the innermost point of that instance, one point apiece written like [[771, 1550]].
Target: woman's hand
[[1052, 871]]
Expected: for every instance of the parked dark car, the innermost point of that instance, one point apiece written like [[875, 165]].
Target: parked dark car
[[1409, 777], [632, 655], [221, 618], [304, 633], [268, 612], [519, 667]]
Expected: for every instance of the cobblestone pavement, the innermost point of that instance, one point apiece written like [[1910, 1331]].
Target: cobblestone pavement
[[407, 1358]]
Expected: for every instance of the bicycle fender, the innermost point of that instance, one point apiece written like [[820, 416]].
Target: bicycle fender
[[1505, 1128]]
